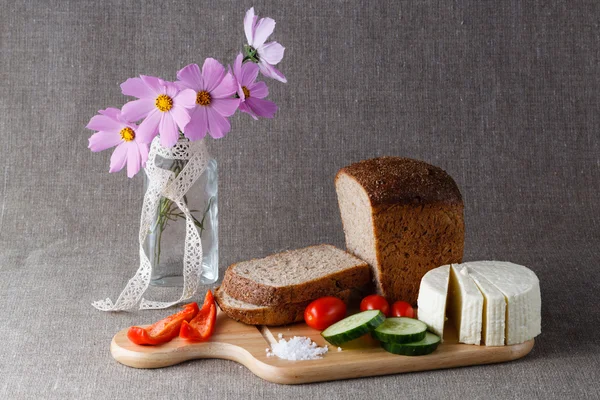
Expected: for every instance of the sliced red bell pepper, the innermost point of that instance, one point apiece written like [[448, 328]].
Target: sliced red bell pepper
[[164, 330], [202, 326]]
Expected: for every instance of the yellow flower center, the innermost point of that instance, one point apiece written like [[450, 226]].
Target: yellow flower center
[[127, 134], [246, 91], [164, 103], [203, 98]]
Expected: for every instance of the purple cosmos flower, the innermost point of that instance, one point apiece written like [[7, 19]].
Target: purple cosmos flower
[[252, 93], [266, 54], [115, 130], [213, 89], [163, 105]]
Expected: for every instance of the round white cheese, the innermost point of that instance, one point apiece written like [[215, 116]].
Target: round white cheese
[[496, 299]]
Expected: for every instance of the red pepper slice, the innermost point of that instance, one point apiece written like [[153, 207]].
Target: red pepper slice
[[202, 326], [164, 330]]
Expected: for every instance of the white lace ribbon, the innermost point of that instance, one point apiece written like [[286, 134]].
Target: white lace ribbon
[[164, 183]]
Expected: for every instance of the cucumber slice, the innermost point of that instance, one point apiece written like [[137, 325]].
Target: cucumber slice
[[353, 327], [400, 330], [420, 348]]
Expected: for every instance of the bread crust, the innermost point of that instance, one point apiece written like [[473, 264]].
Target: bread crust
[[433, 236], [274, 316], [393, 180], [249, 291]]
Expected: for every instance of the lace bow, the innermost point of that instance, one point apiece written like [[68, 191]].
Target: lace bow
[[165, 183]]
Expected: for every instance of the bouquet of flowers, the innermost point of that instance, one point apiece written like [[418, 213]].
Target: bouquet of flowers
[[167, 120]]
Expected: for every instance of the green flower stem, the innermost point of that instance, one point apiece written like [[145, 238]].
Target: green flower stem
[[250, 54]]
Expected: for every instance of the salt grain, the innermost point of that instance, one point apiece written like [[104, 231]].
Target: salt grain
[[280, 336], [339, 349], [298, 348]]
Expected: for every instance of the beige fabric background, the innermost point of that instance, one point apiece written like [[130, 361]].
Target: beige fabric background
[[503, 95]]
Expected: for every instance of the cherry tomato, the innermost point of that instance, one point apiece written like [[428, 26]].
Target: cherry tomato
[[402, 309], [323, 312], [375, 302]]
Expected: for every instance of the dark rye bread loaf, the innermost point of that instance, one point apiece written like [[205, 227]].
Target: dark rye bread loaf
[[404, 217], [252, 314], [295, 276]]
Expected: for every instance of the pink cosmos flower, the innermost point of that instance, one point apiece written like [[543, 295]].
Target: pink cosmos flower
[[163, 105], [115, 130], [252, 93], [267, 54], [213, 89]]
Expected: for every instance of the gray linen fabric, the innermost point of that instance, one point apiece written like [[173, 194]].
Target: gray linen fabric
[[503, 95]]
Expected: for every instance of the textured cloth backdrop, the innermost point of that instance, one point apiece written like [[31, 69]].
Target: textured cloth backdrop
[[503, 95]]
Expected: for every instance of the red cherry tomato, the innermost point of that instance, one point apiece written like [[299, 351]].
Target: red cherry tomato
[[324, 312], [402, 309], [375, 302]]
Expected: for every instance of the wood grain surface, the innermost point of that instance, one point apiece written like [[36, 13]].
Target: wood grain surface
[[362, 357]]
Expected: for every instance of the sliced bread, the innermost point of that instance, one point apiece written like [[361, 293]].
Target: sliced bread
[[295, 276], [252, 314]]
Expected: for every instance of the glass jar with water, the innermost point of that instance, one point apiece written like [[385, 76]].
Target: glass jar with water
[[165, 243]]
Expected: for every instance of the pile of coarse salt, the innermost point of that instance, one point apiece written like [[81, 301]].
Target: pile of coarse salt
[[297, 348]]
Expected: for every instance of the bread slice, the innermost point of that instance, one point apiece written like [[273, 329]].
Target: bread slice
[[404, 217], [295, 276], [252, 314]]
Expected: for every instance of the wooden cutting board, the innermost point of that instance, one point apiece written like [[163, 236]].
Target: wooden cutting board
[[362, 357]]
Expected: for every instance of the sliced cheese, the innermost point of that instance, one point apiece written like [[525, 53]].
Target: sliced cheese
[[494, 310], [521, 288], [465, 305], [432, 299]]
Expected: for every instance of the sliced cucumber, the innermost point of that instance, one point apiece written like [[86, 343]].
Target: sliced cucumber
[[400, 330], [353, 327], [420, 348]]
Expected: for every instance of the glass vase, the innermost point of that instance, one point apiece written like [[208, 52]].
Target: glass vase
[[165, 242]]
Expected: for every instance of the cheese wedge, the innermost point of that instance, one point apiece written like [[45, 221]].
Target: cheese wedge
[[465, 305], [432, 299], [521, 288], [494, 310]]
